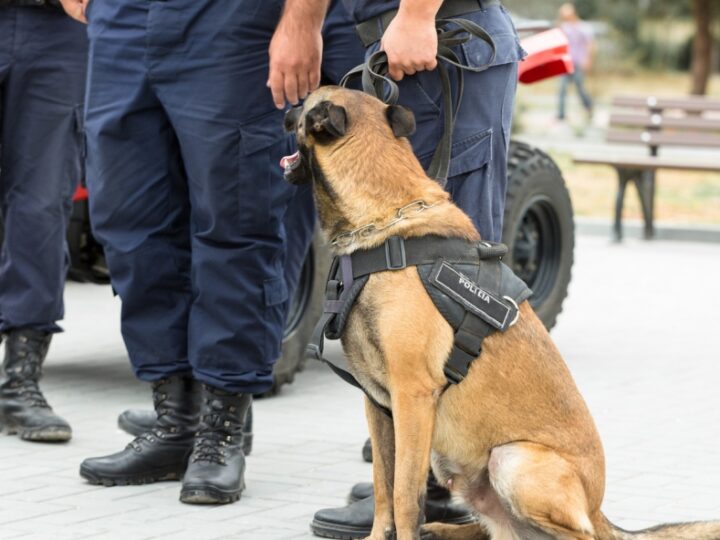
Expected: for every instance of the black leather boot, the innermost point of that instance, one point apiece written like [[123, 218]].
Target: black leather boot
[[23, 408], [355, 520], [216, 470], [158, 454], [138, 421]]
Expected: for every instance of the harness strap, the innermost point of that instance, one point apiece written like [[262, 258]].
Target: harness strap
[[467, 346], [397, 253], [451, 33]]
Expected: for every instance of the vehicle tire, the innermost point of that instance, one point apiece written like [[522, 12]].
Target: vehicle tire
[[539, 229], [87, 261], [304, 312]]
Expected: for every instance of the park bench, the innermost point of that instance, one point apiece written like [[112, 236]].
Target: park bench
[[691, 123]]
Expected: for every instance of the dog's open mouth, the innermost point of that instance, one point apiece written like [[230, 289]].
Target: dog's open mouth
[[294, 173], [291, 162]]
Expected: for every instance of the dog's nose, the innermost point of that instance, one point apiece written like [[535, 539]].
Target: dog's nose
[[291, 118]]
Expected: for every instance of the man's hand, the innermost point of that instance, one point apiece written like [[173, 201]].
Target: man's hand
[[296, 51], [410, 40], [76, 9]]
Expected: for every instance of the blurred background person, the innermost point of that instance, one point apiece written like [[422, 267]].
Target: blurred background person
[[581, 44], [42, 80]]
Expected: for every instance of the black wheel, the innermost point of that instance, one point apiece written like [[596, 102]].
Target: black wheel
[[305, 310], [539, 229], [87, 261]]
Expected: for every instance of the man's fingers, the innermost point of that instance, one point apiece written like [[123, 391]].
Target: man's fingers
[[291, 88], [395, 72], [432, 64], [277, 86], [314, 78], [303, 85]]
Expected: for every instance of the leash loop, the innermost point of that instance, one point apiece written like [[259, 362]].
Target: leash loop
[[451, 32]]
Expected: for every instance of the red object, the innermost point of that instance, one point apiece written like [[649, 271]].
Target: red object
[[547, 57], [81, 194]]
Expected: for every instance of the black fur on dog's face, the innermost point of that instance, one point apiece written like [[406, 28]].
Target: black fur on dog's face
[[322, 121]]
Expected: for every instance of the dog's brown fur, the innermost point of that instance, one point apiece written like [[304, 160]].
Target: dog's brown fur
[[515, 439]]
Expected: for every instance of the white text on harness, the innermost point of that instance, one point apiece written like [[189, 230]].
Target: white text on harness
[[474, 289]]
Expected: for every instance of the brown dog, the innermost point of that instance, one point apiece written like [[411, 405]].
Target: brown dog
[[514, 439]]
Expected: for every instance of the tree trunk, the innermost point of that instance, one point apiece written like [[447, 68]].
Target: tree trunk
[[702, 47]]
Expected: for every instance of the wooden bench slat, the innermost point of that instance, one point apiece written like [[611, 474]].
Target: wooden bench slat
[[655, 138], [688, 103], [659, 121], [647, 162]]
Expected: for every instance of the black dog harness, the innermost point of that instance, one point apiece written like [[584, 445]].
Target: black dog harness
[[472, 289]]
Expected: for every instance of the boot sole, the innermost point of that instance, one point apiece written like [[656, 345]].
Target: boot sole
[[326, 529], [109, 481], [209, 495], [45, 434]]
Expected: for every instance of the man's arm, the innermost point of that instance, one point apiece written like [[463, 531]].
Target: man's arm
[[76, 9], [296, 51], [410, 40]]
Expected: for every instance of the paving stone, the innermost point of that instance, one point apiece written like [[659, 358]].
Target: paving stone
[[638, 331]]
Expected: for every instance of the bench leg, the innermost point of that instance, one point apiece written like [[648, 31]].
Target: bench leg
[[645, 184], [624, 176]]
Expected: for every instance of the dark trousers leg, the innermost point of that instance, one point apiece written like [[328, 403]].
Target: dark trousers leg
[[42, 76], [138, 194]]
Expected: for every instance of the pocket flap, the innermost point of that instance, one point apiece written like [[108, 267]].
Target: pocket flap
[[262, 132], [471, 153], [507, 47], [276, 291]]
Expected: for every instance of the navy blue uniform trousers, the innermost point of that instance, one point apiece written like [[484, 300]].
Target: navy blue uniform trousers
[[477, 177], [186, 192], [42, 80]]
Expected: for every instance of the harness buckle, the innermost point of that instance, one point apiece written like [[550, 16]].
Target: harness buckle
[[395, 257]]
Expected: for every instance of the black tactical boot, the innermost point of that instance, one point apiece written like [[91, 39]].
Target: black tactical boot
[[138, 421], [23, 409], [356, 519], [162, 452], [216, 470]]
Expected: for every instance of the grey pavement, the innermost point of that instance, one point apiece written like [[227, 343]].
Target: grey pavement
[[640, 332]]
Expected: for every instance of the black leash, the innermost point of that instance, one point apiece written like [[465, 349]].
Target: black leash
[[451, 33]]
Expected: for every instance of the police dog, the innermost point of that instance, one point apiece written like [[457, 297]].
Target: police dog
[[514, 439]]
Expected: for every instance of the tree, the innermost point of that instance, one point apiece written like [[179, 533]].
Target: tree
[[702, 46]]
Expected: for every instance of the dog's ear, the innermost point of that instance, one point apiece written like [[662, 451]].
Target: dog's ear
[[291, 119], [401, 120], [326, 118]]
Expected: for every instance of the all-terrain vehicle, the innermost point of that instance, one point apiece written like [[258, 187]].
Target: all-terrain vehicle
[[538, 226]]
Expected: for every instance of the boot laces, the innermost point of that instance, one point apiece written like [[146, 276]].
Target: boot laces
[[218, 429], [30, 392], [158, 432]]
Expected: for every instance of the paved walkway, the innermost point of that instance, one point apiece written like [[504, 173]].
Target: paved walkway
[[639, 331]]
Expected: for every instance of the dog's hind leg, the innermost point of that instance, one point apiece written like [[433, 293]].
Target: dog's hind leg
[[382, 438], [447, 531], [541, 491]]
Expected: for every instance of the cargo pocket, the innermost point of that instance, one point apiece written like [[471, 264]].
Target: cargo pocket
[[276, 297], [471, 154], [262, 189]]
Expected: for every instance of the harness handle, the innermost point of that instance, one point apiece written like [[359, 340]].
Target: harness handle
[[451, 33]]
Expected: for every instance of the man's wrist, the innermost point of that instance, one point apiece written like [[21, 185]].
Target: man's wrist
[[419, 10], [304, 15]]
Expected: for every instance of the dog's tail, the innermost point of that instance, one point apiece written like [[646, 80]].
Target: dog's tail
[[698, 530]]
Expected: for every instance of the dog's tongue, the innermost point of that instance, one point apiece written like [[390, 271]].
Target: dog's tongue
[[287, 161]]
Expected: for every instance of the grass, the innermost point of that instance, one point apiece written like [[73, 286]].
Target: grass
[[681, 196]]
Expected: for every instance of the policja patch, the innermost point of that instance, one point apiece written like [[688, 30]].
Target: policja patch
[[500, 313]]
